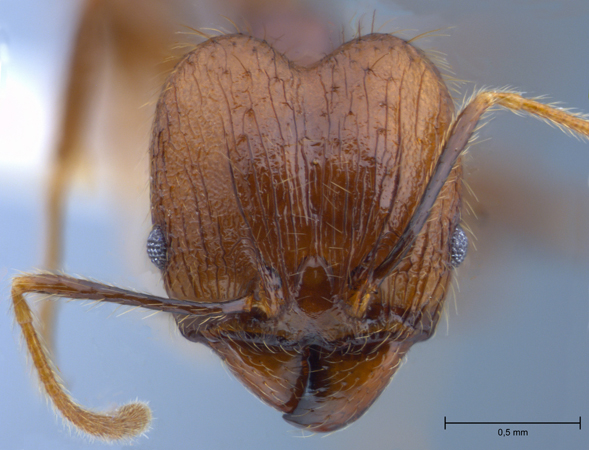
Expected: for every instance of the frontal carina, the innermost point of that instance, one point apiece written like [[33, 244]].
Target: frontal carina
[[305, 220]]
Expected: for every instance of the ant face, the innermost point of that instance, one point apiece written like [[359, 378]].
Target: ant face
[[302, 190], [514, 191]]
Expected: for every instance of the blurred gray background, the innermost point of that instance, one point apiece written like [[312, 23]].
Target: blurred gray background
[[514, 344]]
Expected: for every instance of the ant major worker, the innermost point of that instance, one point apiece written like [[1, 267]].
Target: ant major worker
[[306, 221]]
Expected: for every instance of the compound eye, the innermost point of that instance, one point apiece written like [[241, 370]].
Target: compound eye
[[156, 248], [459, 246]]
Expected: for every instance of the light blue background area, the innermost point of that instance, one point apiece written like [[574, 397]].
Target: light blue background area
[[514, 348]]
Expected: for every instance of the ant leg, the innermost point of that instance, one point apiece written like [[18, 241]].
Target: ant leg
[[129, 420], [459, 134], [86, 59]]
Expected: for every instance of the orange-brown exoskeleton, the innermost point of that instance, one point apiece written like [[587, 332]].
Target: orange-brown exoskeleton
[[305, 220]]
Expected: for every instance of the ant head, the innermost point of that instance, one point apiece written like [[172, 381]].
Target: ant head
[[292, 186]]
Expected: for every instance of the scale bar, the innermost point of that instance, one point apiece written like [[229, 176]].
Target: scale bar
[[512, 423]]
